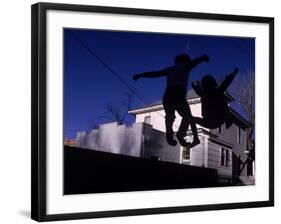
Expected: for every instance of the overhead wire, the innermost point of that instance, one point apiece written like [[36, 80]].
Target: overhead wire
[[116, 74]]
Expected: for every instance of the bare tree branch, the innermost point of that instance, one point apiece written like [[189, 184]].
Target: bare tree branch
[[117, 113], [243, 89]]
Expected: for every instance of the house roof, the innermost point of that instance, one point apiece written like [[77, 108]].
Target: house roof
[[241, 120]]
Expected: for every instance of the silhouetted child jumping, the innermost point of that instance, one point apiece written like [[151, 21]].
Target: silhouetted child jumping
[[215, 109], [174, 98]]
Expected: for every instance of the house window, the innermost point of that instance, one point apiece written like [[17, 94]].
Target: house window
[[222, 156], [147, 119], [239, 161], [186, 154], [225, 156], [239, 133]]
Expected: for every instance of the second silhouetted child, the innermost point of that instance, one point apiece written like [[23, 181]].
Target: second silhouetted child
[[215, 109]]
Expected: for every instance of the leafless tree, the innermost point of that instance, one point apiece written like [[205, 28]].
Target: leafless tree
[[119, 113], [113, 113], [243, 90]]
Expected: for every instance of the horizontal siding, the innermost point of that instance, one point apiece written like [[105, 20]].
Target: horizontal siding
[[196, 156], [213, 156], [213, 164], [225, 171], [214, 159]]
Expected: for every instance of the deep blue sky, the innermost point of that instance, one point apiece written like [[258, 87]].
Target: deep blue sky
[[89, 85]]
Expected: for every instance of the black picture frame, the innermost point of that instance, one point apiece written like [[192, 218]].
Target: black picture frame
[[38, 157]]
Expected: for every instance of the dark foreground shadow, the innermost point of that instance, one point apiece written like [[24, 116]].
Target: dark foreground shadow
[[90, 171]]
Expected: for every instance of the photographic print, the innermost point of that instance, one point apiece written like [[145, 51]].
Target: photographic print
[[141, 111], [146, 111]]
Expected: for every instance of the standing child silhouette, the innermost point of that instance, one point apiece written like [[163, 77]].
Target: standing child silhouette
[[215, 110], [174, 98]]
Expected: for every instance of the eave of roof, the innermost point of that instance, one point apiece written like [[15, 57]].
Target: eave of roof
[[241, 119]]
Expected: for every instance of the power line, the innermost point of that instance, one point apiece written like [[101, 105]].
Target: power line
[[134, 90], [137, 92]]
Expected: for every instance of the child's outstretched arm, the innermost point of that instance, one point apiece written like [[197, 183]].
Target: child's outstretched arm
[[197, 88], [154, 74], [196, 61], [229, 78]]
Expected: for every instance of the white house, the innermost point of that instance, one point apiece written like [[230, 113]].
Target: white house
[[222, 149]]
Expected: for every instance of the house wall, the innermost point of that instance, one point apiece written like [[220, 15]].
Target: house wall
[[208, 154], [157, 118], [155, 145], [113, 138], [230, 135], [198, 153], [214, 159]]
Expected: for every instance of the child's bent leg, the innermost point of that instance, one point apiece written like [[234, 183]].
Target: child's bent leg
[[169, 131], [196, 140], [181, 134], [208, 123], [202, 122], [169, 120], [187, 119]]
